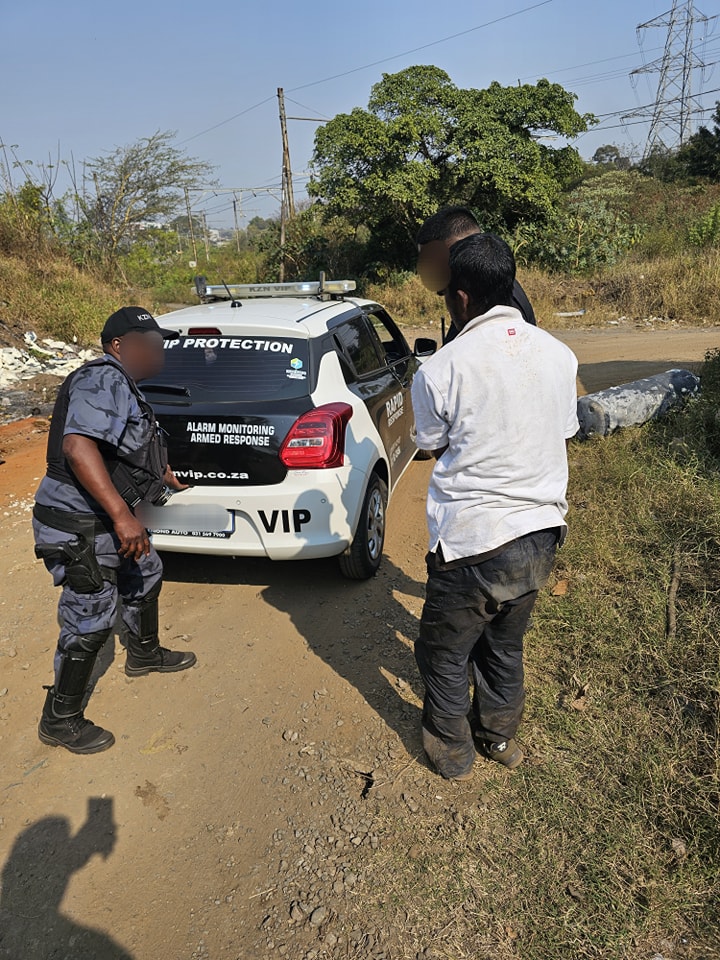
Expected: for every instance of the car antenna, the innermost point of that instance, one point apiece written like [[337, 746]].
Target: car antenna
[[233, 301], [321, 295]]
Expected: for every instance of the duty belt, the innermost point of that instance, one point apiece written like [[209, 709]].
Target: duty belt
[[88, 525]]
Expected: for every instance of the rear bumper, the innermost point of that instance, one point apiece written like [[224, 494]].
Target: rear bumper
[[310, 514]]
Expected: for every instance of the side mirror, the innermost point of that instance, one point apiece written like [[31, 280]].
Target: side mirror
[[424, 347]]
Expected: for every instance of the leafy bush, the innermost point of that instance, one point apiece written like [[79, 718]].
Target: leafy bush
[[706, 231]]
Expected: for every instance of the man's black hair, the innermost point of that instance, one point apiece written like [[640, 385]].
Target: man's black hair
[[483, 266], [450, 223]]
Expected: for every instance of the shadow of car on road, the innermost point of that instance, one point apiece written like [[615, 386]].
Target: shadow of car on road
[[361, 629]]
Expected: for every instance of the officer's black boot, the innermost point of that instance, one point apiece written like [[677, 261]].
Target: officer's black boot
[[62, 723], [144, 653]]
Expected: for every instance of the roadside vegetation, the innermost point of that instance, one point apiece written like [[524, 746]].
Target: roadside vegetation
[[605, 843], [608, 236]]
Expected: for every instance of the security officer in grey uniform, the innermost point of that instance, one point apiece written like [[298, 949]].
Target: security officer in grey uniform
[[106, 454]]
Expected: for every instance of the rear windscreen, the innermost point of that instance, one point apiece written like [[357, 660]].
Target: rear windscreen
[[235, 368]]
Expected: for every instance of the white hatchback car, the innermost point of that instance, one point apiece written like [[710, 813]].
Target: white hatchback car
[[288, 405]]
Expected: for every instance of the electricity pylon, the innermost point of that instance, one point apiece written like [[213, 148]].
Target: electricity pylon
[[675, 103]]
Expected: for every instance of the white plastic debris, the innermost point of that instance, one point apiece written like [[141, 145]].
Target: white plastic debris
[[56, 358]]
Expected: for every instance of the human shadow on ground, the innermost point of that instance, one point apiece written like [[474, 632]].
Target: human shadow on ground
[[360, 628], [35, 878]]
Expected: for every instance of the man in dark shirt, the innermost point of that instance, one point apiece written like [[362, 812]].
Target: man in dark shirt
[[435, 238], [105, 455]]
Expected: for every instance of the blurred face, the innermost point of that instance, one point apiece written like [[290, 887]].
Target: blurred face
[[433, 265], [140, 353]]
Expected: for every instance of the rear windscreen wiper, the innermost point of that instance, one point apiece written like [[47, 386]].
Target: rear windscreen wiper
[[164, 388]]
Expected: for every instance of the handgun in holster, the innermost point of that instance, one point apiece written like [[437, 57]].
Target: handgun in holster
[[83, 573]]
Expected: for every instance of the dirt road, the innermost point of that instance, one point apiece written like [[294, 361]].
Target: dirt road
[[237, 815], [611, 356]]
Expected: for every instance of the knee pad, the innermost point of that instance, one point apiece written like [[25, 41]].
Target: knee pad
[[90, 642]]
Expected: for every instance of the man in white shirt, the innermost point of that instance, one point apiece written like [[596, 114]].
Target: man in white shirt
[[497, 406]]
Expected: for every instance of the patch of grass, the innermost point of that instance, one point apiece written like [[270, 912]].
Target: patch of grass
[[55, 298], [605, 843], [684, 288]]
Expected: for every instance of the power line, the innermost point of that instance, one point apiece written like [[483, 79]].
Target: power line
[[425, 46], [221, 123], [306, 107], [634, 123], [366, 66], [603, 76], [579, 66]]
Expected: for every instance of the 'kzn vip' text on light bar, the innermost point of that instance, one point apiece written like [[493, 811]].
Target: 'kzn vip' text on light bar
[[246, 291]]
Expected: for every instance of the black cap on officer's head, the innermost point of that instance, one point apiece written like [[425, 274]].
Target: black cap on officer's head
[[132, 318]]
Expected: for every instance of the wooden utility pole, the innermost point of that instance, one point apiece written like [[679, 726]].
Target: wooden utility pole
[[237, 228], [205, 235], [190, 224], [287, 204]]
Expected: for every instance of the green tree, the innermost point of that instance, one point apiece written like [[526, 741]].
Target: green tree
[[313, 243], [133, 187], [663, 164], [611, 156], [700, 156], [424, 142]]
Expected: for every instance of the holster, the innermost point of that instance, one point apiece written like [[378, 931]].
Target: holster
[[83, 573]]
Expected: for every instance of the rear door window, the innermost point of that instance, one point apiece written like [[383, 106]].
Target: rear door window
[[357, 344], [393, 344], [234, 368]]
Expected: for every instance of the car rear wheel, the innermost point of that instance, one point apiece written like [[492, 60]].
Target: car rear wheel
[[364, 555]]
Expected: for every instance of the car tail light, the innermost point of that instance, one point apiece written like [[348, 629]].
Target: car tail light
[[204, 332], [317, 439]]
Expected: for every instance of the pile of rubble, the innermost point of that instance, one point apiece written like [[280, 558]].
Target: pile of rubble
[[30, 375]]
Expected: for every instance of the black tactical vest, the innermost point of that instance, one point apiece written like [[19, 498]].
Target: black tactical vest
[[137, 475]]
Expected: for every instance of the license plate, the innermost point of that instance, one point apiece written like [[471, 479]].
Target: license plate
[[206, 534]]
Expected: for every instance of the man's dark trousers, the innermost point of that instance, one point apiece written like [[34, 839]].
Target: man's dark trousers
[[478, 613]]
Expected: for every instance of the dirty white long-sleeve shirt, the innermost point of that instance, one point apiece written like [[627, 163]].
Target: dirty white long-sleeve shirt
[[502, 398]]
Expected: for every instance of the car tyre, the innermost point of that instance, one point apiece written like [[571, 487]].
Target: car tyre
[[363, 557]]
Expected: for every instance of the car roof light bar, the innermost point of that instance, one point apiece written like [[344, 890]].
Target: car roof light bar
[[249, 291]]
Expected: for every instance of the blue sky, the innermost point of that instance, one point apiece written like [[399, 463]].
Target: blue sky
[[89, 75]]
